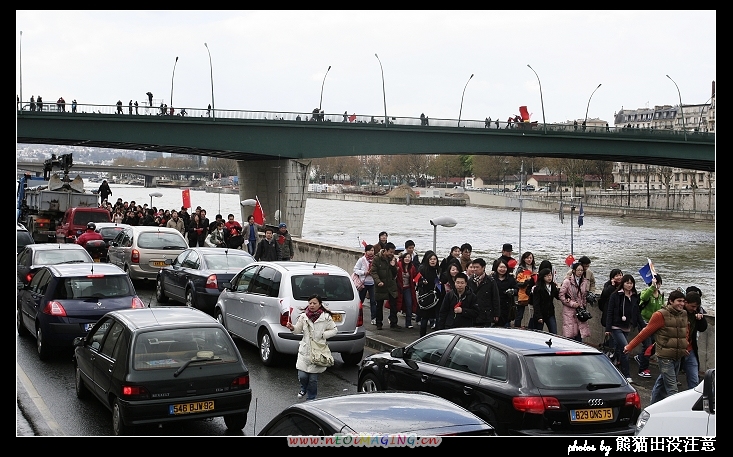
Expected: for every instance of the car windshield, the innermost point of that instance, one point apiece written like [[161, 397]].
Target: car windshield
[[225, 262], [57, 256], [329, 287], [172, 348], [573, 371], [109, 233], [83, 217], [161, 240], [94, 286]]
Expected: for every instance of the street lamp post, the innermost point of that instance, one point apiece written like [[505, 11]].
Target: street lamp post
[[542, 102], [587, 107], [682, 111], [174, 74], [443, 221], [20, 56], [154, 194], [320, 103], [464, 93], [211, 68], [384, 93]]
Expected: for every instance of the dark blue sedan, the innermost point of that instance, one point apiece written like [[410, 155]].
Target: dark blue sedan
[[197, 276]]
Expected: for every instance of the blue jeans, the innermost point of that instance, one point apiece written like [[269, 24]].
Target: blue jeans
[[372, 302], [692, 368], [252, 246], [407, 305], [619, 336], [551, 325], [520, 315], [666, 383], [308, 384]]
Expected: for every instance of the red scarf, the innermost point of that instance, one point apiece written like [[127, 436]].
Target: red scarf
[[313, 315]]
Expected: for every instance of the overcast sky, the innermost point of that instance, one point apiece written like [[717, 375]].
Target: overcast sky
[[276, 60]]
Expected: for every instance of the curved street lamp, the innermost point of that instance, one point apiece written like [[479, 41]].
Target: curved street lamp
[[384, 94], [681, 110], [443, 221], [211, 68], [174, 74], [464, 93], [154, 194], [324, 82], [586, 108], [542, 102]]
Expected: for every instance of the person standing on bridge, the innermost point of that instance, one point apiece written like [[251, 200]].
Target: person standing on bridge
[[33, 103], [150, 98], [129, 110], [73, 106], [119, 106], [136, 107]]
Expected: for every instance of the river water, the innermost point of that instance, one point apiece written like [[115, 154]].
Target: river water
[[682, 252]]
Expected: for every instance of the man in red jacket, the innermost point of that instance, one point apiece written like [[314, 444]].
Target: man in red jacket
[[89, 235]]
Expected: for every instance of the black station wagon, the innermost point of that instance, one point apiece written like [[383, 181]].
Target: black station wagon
[[158, 365], [520, 381]]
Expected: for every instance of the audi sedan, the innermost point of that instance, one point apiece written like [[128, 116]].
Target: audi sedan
[[522, 382], [159, 365], [63, 302], [197, 276]]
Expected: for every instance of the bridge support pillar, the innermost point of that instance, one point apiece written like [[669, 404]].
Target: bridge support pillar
[[148, 181], [279, 185]]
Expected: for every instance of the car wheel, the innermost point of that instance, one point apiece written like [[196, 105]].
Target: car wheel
[[22, 331], [236, 421], [190, 298], [159, 293], [487, 414], [81, 389], [43, 351], [268, 353], [219, 317], [118, 426], [352, 359], [369, 383]]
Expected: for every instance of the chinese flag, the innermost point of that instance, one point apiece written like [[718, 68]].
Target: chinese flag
[[186, 194], [352, 118], [258, 214]]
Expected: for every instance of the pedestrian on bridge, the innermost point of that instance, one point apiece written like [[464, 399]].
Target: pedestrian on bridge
[[150, 98], [130, 107], [135, 108], [119, 106], [73, 106]]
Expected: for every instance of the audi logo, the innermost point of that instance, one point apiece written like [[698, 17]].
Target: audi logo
[[595, 402]]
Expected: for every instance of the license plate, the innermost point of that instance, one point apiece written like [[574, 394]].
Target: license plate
[[191, 408], [88, 327], [591, 415], [157, 263], [337, 317]]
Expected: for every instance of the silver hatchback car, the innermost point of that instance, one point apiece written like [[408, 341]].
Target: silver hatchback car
[[264, 296], [142, 250]]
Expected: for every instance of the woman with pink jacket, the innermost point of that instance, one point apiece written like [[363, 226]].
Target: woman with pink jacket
[[573, 293]]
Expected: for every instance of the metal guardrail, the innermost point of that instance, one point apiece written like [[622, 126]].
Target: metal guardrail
[[356, 119]]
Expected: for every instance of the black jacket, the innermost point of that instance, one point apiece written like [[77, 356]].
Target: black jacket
[[608, 289], [487, 299], [268, 250], [620, 307], [448, 319], [543, 301]]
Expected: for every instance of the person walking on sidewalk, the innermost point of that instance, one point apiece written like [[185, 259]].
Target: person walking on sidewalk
[[459, 308], [384, 272], [623, 315], [363, 268], [669, 326], [314, 324], [696, 316], [487, 295], [650, 300], [407, 297], [429, 291]]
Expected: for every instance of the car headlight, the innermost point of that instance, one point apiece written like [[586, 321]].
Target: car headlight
[[641, 422]]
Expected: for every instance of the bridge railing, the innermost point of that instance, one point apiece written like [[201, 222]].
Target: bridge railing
[[360, 119]]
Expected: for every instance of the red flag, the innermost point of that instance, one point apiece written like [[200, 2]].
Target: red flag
[[363, 243], [186, 195], [417, 278], [352, 118], [258, 214]]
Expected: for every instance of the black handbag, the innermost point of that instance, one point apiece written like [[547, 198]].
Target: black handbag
[[608, 347], [582, 314], [427, 298]]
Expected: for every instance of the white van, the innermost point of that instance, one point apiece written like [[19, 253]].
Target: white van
[[688, 413]]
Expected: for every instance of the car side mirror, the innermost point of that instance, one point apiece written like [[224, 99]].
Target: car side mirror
[[708, 391], [79, 341], [168, 261], [398, 353], [227, 286]]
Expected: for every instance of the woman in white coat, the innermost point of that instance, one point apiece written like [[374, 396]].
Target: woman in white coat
[[573, 293], [314, 323]]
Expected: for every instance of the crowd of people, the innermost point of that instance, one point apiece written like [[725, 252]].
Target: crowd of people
[[200, 231], [461, 291]]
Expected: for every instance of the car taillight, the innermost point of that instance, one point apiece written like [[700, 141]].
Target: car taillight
[[240, 382], [360, 319], [211, 282], [134, 391], [137, 303], [535, 405], [28, 278], [54, 308], [135, 256], [284, 318], [634, 400]]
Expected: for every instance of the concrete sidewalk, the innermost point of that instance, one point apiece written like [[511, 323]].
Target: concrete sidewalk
[[388, 339]]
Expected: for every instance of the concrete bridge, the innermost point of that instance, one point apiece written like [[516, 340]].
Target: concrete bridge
[[274, 150]]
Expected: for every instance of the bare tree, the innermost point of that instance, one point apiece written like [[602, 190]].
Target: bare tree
[[446, 165], [665, 177], [224, 167], [693, 186]]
